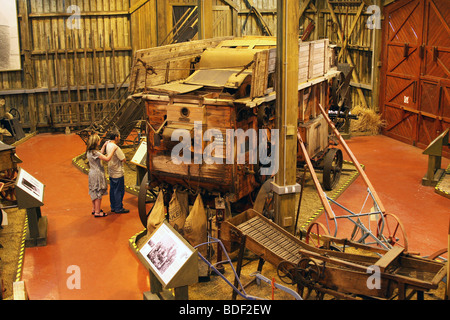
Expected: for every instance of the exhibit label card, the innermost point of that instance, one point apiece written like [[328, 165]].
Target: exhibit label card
[[140, 157], [165, 253], [30, 185]]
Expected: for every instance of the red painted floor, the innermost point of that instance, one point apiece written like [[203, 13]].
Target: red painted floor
[[99, 247]]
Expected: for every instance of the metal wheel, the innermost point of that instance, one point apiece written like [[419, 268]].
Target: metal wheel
[[391, 231], [308, 273], [15, 113], [332, 168], [286, 272], [143, 204], [315, 231], [264, 202]]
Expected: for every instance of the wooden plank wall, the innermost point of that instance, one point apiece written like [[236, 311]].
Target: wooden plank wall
[[360, 45], [268, 10], [144, 30], [68, 72]]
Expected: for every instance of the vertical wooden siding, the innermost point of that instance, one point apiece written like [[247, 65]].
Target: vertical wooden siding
[[63, 65], [360, 44]]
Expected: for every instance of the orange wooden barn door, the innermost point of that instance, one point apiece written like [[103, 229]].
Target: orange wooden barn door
[[434, 116], [416, 62]]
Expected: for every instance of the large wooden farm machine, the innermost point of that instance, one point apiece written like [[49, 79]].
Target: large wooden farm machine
[[203, 99], [229, 84]]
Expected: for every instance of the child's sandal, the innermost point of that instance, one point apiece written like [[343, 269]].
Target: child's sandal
[[101, 214]]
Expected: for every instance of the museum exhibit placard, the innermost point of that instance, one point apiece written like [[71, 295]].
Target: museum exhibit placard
[[140, 157], [29, 190], [170, 257]]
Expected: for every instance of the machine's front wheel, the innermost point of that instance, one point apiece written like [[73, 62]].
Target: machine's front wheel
[[144, 206]]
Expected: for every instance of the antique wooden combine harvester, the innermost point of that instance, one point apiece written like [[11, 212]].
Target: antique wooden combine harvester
[[225, 84]]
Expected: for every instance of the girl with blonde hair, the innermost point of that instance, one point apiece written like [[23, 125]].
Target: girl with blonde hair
[[98, 187]]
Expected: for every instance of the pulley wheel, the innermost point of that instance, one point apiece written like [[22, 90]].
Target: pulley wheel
[[285, 272]]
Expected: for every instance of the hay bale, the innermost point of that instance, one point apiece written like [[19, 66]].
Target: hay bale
[[369, 121]]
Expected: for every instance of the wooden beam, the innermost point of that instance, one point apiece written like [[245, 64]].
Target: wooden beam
[[352, 28], [386, 260], [48, 15], [137, 6], [287, 109], [326, 205], [447, 289], [205, 19], [28, 70], [303, 7], [232, 4]]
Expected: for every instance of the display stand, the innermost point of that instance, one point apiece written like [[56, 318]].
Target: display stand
[[172, 264], [30, 196], [434, 152]]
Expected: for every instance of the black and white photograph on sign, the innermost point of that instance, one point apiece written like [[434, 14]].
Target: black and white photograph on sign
[[162, 255], [30, 185], [166, 253], [9, 37]]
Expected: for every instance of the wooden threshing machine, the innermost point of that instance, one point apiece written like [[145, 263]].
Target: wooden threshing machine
[[227, 86], [222, 85]]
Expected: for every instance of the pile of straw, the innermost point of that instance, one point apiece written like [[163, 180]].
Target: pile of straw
[[369, 121]]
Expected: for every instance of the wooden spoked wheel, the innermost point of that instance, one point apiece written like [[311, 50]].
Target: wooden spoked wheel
[[144, 205], [315, 231], [332, 168], [391, 231]]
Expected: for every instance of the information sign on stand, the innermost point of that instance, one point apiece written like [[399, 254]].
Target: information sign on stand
[[140, 160], [140, 157], [30, 196], [171, 261]]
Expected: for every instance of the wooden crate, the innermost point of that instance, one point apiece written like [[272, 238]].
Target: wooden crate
[[315, 135], [318, 56]]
